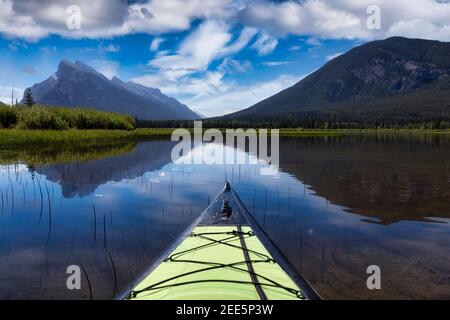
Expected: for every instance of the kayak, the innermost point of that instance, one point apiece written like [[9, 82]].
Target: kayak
[[224, 255]]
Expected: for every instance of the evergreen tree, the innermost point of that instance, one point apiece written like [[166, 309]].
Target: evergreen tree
[[28, 98]]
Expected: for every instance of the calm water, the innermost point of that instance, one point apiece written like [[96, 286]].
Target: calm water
[[337, 206]]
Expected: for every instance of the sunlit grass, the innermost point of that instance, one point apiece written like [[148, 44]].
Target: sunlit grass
[[31, 137], [51, 154], [18, 137]]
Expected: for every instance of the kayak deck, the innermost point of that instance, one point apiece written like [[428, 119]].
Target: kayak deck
[[210, 265], [224, 255]]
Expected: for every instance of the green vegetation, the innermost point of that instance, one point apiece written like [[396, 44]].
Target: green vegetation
[[49, 118], [51, 154], [8, 116], [37, 147], [40, 147], [317, 121], [308, 133], [28, 98], [66, 128], [18, 137], [338, 132]]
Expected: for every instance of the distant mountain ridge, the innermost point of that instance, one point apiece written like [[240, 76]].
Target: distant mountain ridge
[[78, 85], [394, 78]]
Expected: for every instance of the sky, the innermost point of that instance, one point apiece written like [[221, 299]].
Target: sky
[[216, 56]]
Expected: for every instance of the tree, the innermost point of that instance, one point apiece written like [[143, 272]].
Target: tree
[[28, 98]]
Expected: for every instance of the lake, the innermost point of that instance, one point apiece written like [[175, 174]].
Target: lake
[[336, 206]]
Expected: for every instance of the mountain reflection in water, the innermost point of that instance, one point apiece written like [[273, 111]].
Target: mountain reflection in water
[[389, 178], [83, 178]]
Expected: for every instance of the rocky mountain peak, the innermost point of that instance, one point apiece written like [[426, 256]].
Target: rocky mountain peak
[[79, 85]]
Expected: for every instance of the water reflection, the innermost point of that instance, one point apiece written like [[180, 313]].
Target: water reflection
[[82, 179], [389, 178], [115, 214]]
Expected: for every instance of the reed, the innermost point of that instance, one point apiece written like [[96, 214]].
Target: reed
[[59, 118]]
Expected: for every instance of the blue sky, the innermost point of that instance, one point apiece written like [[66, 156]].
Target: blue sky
[[217, 56]]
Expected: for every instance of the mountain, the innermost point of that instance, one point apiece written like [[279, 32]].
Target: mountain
[[78, 85], [395, 78]]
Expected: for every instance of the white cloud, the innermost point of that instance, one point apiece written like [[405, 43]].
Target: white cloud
[[312, 41], [185, 75], [348, 19], [16, 45], [111, 48], [276, 63], [35, 19], [308, 17], [7, 92], [157, 16], [212, 40], [245, 37], [420, 28], [17, 25], [265, 44], [213, 95], [294, 48], [156, 42], [108, 68], [333, 56], [231, 97], [196, 51], [232, 66]]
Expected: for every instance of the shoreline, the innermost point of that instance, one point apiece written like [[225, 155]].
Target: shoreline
[[28, 137]]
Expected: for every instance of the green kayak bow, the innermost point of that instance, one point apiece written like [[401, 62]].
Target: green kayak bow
[[224, 255]]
